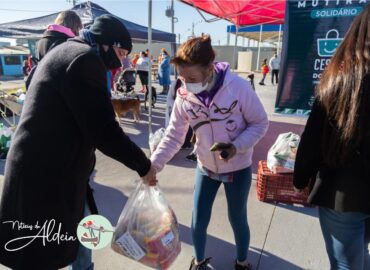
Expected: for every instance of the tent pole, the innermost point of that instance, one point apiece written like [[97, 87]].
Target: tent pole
[[150, 65], [259, 48], [278, 45], [236, 44]]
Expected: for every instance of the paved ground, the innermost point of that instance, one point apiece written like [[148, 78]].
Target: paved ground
[[283, 237], [11, 84]]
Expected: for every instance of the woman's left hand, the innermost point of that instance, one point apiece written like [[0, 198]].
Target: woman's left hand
[[227, 150], [297, 191]]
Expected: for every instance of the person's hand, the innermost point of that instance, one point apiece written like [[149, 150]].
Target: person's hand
[[297, 191], [227, 150], [150, 178]]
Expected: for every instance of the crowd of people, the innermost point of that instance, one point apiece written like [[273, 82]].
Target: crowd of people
[[68, 90]]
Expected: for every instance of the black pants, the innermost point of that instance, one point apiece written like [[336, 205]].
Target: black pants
[[263, 78], [275, 73], [144, 76]]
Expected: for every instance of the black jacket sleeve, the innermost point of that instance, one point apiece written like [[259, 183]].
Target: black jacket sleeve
[[86, 95], [308, 157]]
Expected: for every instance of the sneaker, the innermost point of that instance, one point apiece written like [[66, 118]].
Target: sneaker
[[261, 83], [203, 266], [242, 267], [192, 157]]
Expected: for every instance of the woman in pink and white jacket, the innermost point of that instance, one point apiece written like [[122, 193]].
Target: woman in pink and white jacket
[[228, 120]]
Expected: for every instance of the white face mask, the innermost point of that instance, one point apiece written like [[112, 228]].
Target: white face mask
[[195, 88]]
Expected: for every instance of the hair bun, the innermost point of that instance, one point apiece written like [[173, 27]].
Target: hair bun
[[195, 51]]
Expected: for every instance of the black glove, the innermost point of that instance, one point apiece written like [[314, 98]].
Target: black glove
[[227, 150]]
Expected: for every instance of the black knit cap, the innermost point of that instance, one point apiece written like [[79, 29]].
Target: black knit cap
[[108, 30]]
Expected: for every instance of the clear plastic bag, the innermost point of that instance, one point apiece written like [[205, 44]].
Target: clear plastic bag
[[155, 139], [281, 156], [5, 138], [147, 230]]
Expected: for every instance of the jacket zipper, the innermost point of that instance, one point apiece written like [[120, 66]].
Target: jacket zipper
[[210, 123], [213, 139]]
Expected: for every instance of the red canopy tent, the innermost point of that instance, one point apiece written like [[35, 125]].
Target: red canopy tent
[[243, 12]]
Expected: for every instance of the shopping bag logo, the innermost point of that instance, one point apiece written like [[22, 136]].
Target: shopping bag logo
[[326, 46], [95, 232]]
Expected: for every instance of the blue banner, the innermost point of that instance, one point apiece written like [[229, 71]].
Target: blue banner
[[313, 29]]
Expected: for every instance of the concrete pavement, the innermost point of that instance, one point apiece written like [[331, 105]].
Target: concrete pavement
[[283, 237]]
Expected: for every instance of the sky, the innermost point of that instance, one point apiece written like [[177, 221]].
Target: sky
[[131, 10]]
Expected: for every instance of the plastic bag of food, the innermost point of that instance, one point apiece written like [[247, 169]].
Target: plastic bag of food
[[147, 230], [281, 156], [155, 139], [5, 138]]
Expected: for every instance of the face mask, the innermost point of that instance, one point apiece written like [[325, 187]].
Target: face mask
[[110, 59], [195, 88]]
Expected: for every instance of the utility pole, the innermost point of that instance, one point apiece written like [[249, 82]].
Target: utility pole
[[74, 2], [150, 11], [192, 30], [170, 13], [173, 17]]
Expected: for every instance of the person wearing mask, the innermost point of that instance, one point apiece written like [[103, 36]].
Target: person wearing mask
[[142, 67], [228, 120], [66, 25], [164, 71], [275, 67], [67, 116], [334, 151]]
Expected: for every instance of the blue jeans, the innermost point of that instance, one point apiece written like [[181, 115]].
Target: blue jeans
[[237, 194], [344, 235], [84, 255]]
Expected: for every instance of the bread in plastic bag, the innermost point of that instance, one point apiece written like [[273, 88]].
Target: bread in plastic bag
[[147, 230], [155, 139], [281, 156]]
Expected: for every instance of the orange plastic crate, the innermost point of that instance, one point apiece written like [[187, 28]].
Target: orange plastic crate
[[277, 187]]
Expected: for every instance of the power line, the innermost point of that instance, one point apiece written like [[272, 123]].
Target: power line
[[24, 10]]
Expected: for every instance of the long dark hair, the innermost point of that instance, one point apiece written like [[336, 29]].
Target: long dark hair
[[344, 93]]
